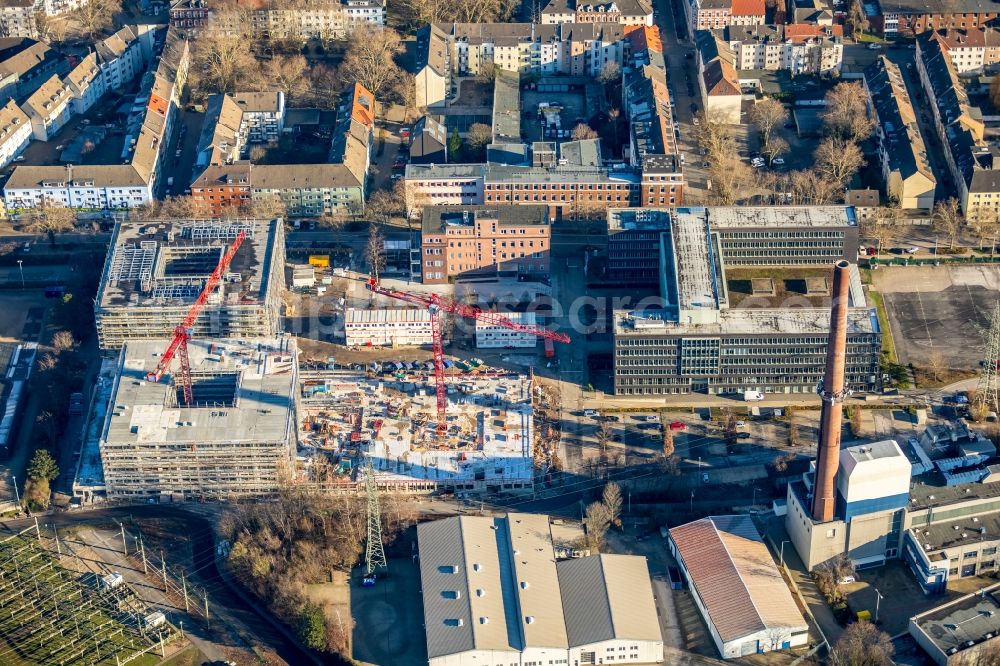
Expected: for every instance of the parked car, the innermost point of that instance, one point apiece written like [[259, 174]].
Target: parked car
[[741, 424], [590, 412], [678, 425], [912, 250], [778, 161], [872, 251], [874, 47]]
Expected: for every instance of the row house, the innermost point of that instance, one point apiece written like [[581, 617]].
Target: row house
[[718, 81], [114, 63], [625, 12], [25, 64], [906, 171], [796, 48], [972, 50], [913, 17], [96, 187], [974, 165], [432, 68], [19, 18]]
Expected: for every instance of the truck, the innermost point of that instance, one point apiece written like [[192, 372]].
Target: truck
[[752, 396]]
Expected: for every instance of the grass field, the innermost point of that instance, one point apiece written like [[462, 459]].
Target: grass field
[[51, 615]]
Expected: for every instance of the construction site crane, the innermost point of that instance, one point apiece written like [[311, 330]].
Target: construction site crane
[[435, 304], [179, 345]]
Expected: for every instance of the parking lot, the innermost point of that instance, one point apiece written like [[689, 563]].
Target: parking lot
[[574, 111], [939, 310]]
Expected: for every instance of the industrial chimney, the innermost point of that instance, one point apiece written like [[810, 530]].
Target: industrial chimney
[[832, 391]]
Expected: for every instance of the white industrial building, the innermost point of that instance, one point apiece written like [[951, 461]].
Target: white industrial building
[[396, 327], [737, 587], [494, 595], [490, 336]]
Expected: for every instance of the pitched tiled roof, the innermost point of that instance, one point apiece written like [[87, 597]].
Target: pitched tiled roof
[[735, 576], [747, 8]]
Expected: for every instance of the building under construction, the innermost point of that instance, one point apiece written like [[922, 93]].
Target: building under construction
[[236, 439], [155, 271], [388, 414]]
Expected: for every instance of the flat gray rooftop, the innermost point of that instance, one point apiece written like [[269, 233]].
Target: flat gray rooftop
[[244, 391], [955, 625], [925, 492], [787, 321], [723, 218], [166, 263]]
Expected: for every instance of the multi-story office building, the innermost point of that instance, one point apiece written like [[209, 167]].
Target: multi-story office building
[[236, 439], [906, 171], [491, 336], [692, 340], [155, 271], [395, 327], [747, 236], [478, 240]]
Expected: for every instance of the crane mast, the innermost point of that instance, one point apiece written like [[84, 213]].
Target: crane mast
[[437, 304]]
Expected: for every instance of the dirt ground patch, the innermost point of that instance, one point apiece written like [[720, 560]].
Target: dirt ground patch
[[21, 315]]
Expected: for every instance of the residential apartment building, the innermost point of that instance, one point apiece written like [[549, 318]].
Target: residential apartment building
[[393, 327], [432, 68], [484, 240], [15, 132], [263, 115], [912, 17], [747, 12], [298, 20], [25, 64], [708, 15], [223, 188], [973, 163], [114, 63], [130, 181], [906, 171], [797, 48], [49, 108], [85, 84], [17, 19], [972, 50], [694, 340], [646, 101], [626, 12], [809, 12], [718, 81]]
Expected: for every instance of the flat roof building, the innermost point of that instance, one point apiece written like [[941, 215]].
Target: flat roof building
[[155, 271], [395, 327], [494, 593], [737, 587], [963, 631], [235, 440]]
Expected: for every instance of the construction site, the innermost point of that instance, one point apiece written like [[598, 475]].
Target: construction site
[[386, 414], [156, 270], [227, 432]]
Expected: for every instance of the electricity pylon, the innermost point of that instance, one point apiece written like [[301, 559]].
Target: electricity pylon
[[374, 554], [986, 391]]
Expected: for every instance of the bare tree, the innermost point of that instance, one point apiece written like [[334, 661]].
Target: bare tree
[[732, 178], [862, 644], [846, 114], [487, 72], [370, 58], [984, 654], [838, 159], [375, 249], [96, 16], [668, 442], [881, 226], [265, 208], [603, 437], [857, 18], [479, 135], [287, 73], [775, 148], [766, 115], [226, 63], [64, 341], [382, 206], [49, 218], [947, 220], [596, 520], [809, 187], [583, 131], [612, 499], [936, 365], [610, 73]]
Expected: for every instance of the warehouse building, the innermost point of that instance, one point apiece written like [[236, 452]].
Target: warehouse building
[[395, 327], [737, 587], [494, 594], [693, 340], [156, 270], [235, 440]]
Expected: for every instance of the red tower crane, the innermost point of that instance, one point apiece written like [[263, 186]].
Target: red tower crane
[[183, 332], [436, 304]]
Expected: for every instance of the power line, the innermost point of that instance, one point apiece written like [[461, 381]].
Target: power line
[[374, 552]]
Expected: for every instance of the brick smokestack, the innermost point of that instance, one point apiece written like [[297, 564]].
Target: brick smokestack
[[832, 391]]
